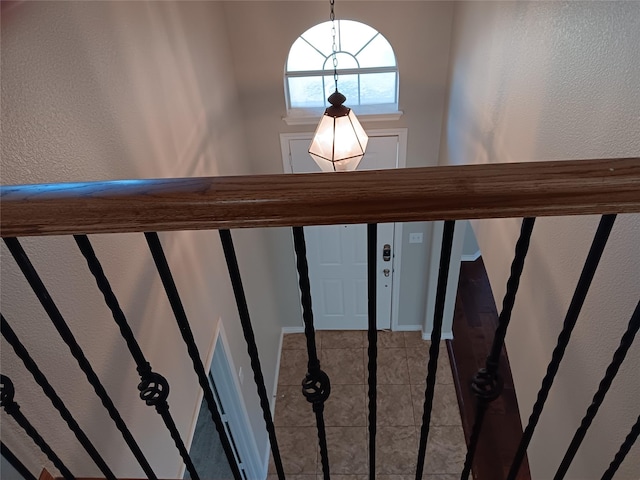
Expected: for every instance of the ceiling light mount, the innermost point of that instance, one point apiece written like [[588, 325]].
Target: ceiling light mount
[[337, 109]]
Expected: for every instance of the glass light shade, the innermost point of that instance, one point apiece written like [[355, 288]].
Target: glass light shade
[[339, 142]]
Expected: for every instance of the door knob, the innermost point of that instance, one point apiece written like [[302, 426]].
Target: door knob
[[386, 252], [386, 272]]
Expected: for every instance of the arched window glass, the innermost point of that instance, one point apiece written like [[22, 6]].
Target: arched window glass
[[367, 69]]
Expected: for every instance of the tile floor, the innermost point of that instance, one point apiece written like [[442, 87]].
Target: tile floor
[[402, 367]]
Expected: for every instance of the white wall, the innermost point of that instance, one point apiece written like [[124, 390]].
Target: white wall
[[110, 90], [470, 247], [261, 34], [8, 472], [549, 81]]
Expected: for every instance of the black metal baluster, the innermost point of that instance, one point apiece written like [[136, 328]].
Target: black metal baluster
[[171, 290], [56, 401], [15, 462], [61, 326], [252, 348], [7, 393], [582, 288], [434, 348], [372, 332], [603, 388], [153, 387], [316, 386], [623, 451], [487, 384]]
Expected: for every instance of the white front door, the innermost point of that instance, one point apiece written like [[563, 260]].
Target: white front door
[[337, 254]]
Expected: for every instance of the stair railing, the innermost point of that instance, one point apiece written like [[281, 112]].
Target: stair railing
[[606, 187]]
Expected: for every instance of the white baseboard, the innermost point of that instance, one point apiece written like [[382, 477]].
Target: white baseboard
[[283, 332], [272, 403], [275, 379], [443, 336], [425, 335], [399, 328], [408, 328], [471, 258], [299, 329]]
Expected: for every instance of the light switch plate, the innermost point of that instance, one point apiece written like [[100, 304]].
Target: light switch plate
[[415, 238]]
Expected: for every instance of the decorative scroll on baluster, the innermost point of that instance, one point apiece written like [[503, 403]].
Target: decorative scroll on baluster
[[434, 349], [612, 370], [252, 348], [30, 274], [372, 334], [623, 451], [153, 387], [582, 288], [316, 386], [7, 393], [487, 384], [15, 462], [187, 335]]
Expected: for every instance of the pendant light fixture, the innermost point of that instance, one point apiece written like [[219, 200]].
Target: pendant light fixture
[[340, 141]]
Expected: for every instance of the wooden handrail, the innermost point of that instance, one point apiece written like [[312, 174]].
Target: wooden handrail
[[413, 194]]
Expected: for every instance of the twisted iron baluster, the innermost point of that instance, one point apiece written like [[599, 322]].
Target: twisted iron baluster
[[252, 348], [487, 383], [7, 392], [32, 277], [15, 462], [623, 451], [187, 335], [56, 401], [372, 334], [582, 288], [603, 388], [316, 386], [434, 348], [153, 387]]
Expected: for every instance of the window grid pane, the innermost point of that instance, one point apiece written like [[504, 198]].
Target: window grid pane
[[305, 92], [362, 47], [377, 54], [355, 35], [345, 60], [303, 56], [378, 88], [348, 85], [320, 37]]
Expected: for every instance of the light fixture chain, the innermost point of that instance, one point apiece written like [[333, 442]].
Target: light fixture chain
[[340, 141], [334, 46]]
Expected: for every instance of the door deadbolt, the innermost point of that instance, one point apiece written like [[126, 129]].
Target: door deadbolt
[[386, 252]]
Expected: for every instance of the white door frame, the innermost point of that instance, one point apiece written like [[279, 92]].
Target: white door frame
[[452, 282], [245, 439], [401, 133]]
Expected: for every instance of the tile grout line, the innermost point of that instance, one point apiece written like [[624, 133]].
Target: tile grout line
[[410, 390]]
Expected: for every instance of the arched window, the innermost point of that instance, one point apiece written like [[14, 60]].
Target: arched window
[[367, 69]]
